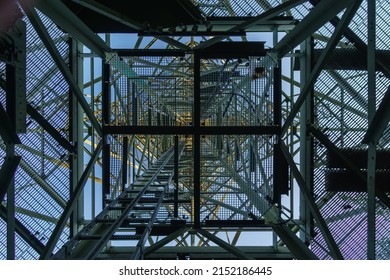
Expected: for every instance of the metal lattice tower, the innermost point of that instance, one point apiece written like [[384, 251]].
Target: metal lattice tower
[[238, 129]]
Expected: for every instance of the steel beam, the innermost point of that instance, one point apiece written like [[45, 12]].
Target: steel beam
[[190, 130], [306, 148], [117, 16], [76, 133], [380, 120], [371, 158], [7, 132], [70, 205], [67, 20], [106, 118], [7, 173], [125, 154], [196, 142], [16, 79], [293, 243], [330, 146], [223, 244], [36, 215], [202, 252], [344, 84], [49, 128], [42, 183], [11, 220], [153, 248], [149, 52], [23, 232], [108, 12], [45, 37], [253, 21], [227, 206], [340, 28], [202, 33], [176, 178], [320, 15], [351, 165], [332, 245]]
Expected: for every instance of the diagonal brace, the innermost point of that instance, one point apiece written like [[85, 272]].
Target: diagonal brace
[[119, 17], [45, 37], [7, 173], [223, 244], [293, 243], [23, 232], [256, 20], [352, 166], [67, 20], [341, 27], [151, 249], [70, 205], [379, 121], [334, 249], [49, 128]]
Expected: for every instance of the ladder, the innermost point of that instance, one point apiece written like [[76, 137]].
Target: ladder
[[136, 205]]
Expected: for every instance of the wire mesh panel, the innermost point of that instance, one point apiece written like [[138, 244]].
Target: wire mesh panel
[[152, 91], [237, 92], [116, 170], [341, 110], [236, 177], [42, 178], [23, 252]]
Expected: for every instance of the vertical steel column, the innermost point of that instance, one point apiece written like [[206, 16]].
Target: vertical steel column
[[277, 121], [176, 178], [135, 105], [76, 133], [106, 101], [280, 165], [371, 164], [306, 145], [11, 248], [16, 113], [196, 144], [135, 123], [11, 111], [124, 162], [93, 181]]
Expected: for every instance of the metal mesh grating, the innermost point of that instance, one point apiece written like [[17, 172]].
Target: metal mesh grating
[[345, 123], [236, 181], [237, 92], [116, 165], [23, 251], [154, 91], [42, 179]]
